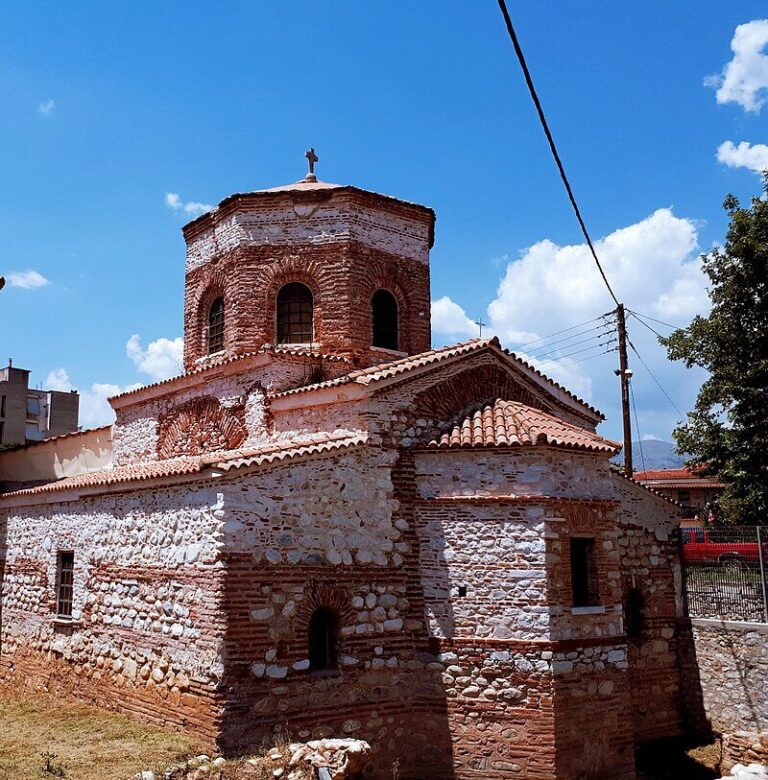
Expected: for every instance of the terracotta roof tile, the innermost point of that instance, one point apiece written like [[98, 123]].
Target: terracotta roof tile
[[224, 461], [511, 424], [366, 376], [678, 478]]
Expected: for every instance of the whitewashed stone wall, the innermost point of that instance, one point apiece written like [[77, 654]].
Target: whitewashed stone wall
[[539, 471], [335, 510], [285, 223], [145, 568]]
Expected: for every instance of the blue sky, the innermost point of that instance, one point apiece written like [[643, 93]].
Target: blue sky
[[106, 108]]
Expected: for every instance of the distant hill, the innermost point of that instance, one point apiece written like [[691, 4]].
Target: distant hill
[[657, 454]]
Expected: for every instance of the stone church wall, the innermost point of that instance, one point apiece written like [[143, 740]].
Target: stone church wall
[[146, 607], [527, 667]]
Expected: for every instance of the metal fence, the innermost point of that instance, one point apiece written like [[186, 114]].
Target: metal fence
[[725, 573]]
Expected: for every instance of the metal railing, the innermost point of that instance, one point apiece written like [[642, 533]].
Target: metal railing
[[725, 573]]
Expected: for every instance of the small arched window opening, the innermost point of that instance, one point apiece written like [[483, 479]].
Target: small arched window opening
[[216, 326], [385, 326], [295, 313], [634, 613], [323, 640]]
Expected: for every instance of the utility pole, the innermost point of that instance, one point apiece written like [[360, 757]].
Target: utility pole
[[624, 373]]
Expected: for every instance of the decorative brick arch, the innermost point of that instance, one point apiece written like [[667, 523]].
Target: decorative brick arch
[[215, 286], [319, 595], [389, 277], [463, 393], [286, 271], [198, 426]]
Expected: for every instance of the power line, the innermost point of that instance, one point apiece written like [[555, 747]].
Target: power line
[[653, 376], [551, 140], [637, 425], [653, 319], [565, 330], [570, 344], [586, 349], [646, 325]]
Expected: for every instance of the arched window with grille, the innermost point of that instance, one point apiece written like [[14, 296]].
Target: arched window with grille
[[323, 640], [216, 326], [634, 613], [384, 316], [295, 314]]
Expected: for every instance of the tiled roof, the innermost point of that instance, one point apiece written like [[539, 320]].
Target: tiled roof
[[618, 471], [511, 423], [224, 360], [104, 477], [223, 461], [273, 454], [678, 478], [366, 376]]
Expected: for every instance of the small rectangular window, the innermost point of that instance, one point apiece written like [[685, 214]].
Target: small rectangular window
[[584, 579], [2, 406], [64, 584]]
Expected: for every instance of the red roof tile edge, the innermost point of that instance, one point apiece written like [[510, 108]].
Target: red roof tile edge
[[365, 376], [223, 461]]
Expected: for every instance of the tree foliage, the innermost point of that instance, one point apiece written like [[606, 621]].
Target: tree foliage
[[727, 431]]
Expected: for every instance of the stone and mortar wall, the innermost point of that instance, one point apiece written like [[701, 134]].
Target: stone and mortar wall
[[650, 563], [725, 673], [512, 558], [145, 631]]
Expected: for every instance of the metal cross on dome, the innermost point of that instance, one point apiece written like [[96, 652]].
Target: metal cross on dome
[[312, 158]]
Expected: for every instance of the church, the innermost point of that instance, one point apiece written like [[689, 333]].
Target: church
[[325, 527]]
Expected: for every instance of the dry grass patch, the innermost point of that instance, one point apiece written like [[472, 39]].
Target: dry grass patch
[[42, 739]]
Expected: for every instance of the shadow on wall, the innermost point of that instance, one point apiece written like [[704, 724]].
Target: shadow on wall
[[377, 683], [695, 720]]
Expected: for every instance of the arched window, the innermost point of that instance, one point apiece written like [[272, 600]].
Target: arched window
[[295, 311], [384, 310], [634, 613], [216, 326], [323, 639]]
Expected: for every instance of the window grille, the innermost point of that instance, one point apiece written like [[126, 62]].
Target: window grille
[[216, 326], [295, 313], [584, 579], [323, 640], [64, 584]]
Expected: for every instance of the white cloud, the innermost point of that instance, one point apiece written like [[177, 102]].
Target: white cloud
[[745, 155], [192, 208], [449, 318], [95, 410], [653, 267], [27, 280], [161, 359], [46, 107], [744, 79]]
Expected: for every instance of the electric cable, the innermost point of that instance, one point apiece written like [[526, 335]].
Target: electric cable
[[653, 376], [551, 140]]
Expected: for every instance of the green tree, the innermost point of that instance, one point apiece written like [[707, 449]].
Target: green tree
[[727, 431]]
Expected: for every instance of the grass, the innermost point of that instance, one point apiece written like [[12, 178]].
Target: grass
[[40, 740]]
